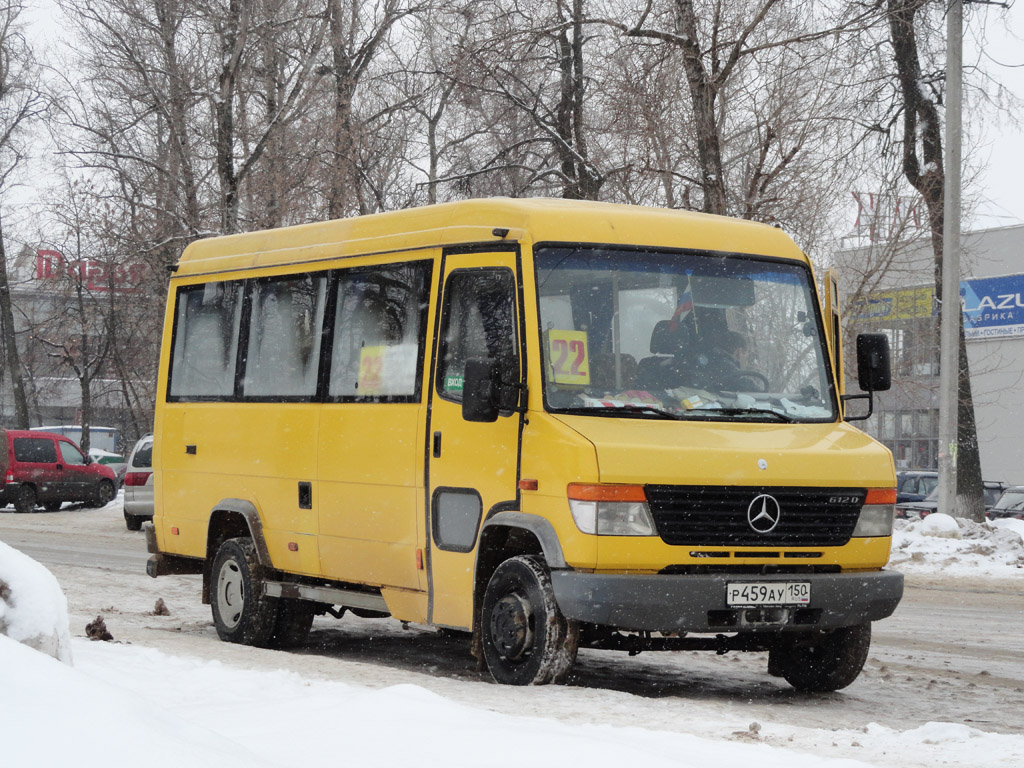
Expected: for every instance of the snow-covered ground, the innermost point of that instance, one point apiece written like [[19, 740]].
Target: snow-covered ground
[[127, 705]]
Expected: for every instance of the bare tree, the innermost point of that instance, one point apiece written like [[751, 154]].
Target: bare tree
[[358, 33], [236, 25], [20, 103], [78, 334], [528, 76], [923, 166], [730, 53]]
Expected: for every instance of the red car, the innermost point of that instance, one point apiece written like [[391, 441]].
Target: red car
[[45, 469]]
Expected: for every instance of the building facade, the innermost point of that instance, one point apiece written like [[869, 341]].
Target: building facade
[[892, 288], [75, 316]]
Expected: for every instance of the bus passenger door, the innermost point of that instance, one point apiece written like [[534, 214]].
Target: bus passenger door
[[473, 466]]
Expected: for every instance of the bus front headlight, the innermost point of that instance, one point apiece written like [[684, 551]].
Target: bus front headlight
[[611, 510], [876, 516]]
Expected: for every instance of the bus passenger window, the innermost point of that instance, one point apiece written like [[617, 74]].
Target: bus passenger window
[[284, 337], [379, 332], [206, 340]]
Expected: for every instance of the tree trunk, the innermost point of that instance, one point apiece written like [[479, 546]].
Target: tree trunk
[[969, 482], [921, 123], [344, 86], [233, 37], [13, 359], [703, 98], [177, 122]]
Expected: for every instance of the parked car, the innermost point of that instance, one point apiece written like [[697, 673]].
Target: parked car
[[914, 485], [1009, 504], [46, 469], [115, 461], [991, 490], [138, 485]]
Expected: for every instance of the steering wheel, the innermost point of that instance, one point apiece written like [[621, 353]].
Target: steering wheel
[[748, 376]]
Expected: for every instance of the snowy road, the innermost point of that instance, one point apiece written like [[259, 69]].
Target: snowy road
[[952, 652]]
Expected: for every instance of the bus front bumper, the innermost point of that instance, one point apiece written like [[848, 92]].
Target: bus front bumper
[[697, 602]]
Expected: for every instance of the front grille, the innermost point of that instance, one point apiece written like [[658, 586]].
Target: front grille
[[709, 515]]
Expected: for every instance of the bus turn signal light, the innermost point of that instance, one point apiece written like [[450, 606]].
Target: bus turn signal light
[[595, 492], [881, 496]]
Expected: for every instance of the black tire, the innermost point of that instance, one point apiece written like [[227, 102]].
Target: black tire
[[132, 523], [241, 612], [829, 662], [52, 506], [526, 639], [25, 499], [293, 622], [104, 493]]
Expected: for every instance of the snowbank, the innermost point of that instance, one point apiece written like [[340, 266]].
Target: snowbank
[[33, 608], [941, 525], [126, 705], [959, 546], [1010, 523], [52, 715]]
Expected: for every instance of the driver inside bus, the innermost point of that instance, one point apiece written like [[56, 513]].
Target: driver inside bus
[[726, 363]]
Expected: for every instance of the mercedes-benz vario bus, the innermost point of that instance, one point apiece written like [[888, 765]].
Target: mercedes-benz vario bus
[[550, 424]]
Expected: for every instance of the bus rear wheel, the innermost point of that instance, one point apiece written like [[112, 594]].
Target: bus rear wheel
[[241, 612], [292, 624], [830, 662], [526, 639]]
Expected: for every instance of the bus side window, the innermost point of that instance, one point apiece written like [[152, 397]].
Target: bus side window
[[379, 332], [284, 337], [205, 340]]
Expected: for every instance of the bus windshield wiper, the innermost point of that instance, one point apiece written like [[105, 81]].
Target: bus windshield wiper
[[735, 411], [630, 408]]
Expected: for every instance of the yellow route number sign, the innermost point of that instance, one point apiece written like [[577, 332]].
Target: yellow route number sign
[[371, 370], [568, 357]]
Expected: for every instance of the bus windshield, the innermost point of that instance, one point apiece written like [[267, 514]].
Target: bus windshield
[[664, 334]]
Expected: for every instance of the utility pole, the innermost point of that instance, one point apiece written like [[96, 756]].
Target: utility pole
[[952, 314]]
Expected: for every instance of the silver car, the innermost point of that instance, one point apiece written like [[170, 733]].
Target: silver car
[[138, 485]]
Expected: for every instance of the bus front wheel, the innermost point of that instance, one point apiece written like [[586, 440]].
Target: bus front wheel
[[526, 639], [241, 612]]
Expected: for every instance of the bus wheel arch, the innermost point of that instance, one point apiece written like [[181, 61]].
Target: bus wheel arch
[[521, 549], [241, 612], [232, 519]]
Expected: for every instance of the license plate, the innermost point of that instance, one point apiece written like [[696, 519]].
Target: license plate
[[768, 593]]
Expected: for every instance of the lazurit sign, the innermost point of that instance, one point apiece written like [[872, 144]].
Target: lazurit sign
[[993, 306], [94, 275]]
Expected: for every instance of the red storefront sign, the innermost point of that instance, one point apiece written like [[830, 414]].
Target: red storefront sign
[[94, 275]]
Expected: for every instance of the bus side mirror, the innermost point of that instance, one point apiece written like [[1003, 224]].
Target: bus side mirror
[[873, 366], [480, 389], [873, 371]]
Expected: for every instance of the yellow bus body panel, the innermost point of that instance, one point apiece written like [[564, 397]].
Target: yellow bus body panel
[[380, 236], [374, 532]]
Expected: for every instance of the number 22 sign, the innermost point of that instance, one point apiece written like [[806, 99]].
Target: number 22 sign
[[567, 355]]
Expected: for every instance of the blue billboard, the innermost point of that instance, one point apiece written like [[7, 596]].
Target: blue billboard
[[993, 306]]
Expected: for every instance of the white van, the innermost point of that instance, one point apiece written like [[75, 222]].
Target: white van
[[138, 485]]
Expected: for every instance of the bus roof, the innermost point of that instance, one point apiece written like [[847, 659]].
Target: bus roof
[[485, 221]]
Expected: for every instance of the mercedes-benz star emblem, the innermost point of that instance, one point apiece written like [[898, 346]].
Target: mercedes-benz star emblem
[[763, 513]]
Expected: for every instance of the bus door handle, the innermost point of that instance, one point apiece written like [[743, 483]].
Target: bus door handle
[[437, 445]]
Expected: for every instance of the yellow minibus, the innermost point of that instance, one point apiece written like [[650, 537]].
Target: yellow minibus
[[551, 424]]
